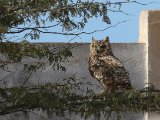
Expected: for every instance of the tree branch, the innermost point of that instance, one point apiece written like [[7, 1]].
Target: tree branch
[[70, 34], [140, 3]]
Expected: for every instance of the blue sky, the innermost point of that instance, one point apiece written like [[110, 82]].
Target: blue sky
[[123, 32]]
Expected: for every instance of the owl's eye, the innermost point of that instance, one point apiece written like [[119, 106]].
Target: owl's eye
[[103, 46]]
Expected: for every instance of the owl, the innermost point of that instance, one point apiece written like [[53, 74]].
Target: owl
[[106, 68]]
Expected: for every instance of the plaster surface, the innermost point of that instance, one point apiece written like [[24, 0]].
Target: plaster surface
[[150, 35], [132, 55]]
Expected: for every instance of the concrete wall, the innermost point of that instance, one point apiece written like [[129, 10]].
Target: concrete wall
[[132, 56], [150, 35]]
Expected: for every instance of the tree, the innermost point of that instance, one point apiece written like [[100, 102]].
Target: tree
[[56, 98]]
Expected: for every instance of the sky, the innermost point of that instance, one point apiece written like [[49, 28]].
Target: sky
[[126, 32]]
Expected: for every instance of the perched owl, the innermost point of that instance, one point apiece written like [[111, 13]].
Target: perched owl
[[106, 68]]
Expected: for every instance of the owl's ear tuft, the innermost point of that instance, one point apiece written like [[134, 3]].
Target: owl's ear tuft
[[106, 39], [93, 39]]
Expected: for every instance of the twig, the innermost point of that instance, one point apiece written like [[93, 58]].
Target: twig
[[71, 34]]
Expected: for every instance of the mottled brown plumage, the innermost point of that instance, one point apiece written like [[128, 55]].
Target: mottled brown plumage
[[106, 68]]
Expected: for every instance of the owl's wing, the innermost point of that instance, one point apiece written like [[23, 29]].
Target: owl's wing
[[121, 76], [90, 68], [111, 60]]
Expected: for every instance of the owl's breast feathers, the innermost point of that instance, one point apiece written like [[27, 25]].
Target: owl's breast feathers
[[109, 70]]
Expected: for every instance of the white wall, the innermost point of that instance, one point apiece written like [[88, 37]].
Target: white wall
[[132, 56]]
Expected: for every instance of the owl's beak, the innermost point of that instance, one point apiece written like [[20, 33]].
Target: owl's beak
[[98, 49]]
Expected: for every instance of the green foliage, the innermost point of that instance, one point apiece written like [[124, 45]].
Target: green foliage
[[15, 52], [8, 15], [35, 14], [69, 97], [17, 12]]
